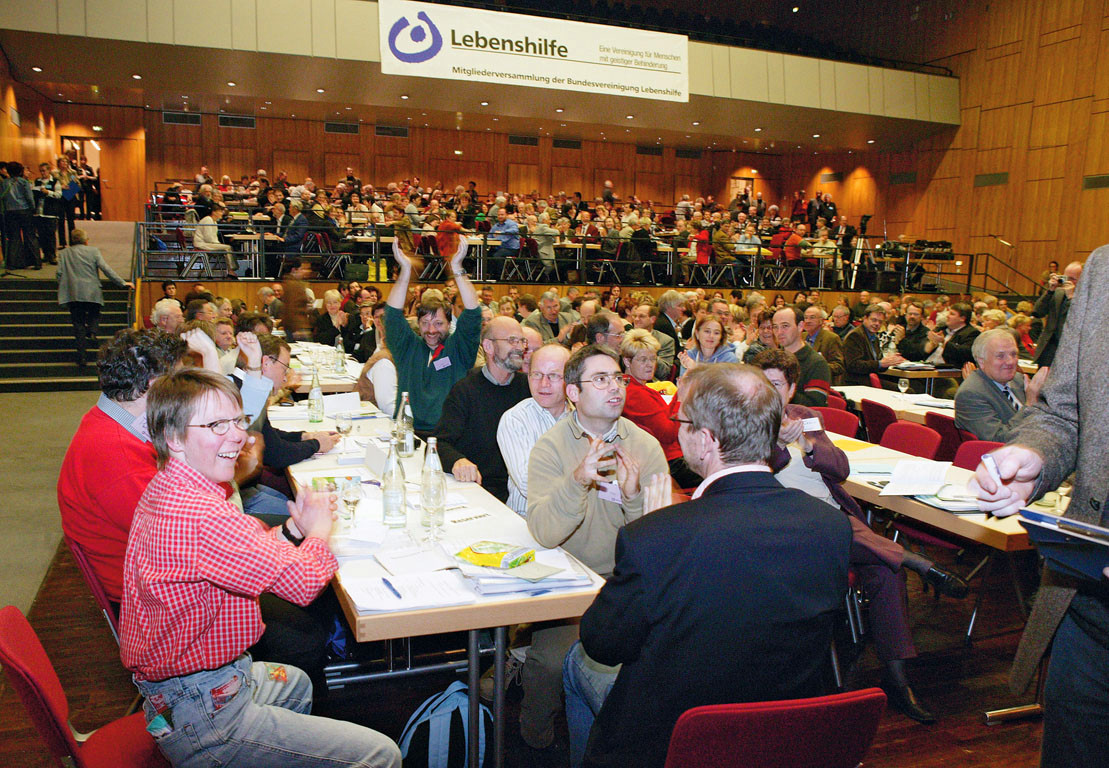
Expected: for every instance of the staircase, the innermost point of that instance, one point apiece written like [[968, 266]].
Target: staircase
[[37, 349]]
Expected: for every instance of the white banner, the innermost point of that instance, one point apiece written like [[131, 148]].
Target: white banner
[[452, 43]]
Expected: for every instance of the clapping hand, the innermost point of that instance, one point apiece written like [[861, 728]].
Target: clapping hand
[[403, 261], [598, 458], [656, 493], [790, 431], [199, 341], [341, 319], [313, 513], [627, 473]]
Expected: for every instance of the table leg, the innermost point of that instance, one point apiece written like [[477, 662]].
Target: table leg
[[500, 643], [928, 385], [474, 680]]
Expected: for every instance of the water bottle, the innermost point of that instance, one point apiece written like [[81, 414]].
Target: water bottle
[[340, 361], [394, 510], [403, 428], [433, 489], [315, 398]]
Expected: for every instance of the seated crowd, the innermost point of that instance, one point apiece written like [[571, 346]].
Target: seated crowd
[[583, 412]]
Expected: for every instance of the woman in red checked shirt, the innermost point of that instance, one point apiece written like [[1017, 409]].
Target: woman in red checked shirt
[[193, 572]]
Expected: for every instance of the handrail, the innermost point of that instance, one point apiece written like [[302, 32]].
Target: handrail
[[135, 278], [985, 268]]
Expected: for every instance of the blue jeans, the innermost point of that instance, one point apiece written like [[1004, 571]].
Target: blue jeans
[[587, 684], [254, 713], [1076, 700], [261, 500]]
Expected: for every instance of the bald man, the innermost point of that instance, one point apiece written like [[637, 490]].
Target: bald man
[[1053, 306], [468, 427]]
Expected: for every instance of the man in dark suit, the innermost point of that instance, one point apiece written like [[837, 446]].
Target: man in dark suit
[[960, 336], [669, 320], [1053, 306], [365, 342], [992, 401], [1064, 433], [726, 598], [862, 349]]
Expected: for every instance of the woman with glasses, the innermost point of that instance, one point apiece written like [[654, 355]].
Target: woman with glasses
[[646, 408], [709, 345]]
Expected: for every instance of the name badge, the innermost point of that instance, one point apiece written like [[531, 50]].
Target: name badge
[[441, 363], [811, 425], [610, 492]]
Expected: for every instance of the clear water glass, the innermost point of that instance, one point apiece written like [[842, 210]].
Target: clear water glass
[[350, 497], [343, 424], [903, 385]]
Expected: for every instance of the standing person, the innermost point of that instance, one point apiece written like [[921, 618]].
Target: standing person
[[186, 625], [18, 204], [1063, 433], [48, 202], [1054, 305], [70, 186], [729, 597], [79, 289], [431, 359]]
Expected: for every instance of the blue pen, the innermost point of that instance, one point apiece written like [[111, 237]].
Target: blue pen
[[372, 482], [392, 589]]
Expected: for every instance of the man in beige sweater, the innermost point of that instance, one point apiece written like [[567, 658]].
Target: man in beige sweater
[[585, 482]]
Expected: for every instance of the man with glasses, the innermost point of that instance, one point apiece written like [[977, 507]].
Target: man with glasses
[[474, 407], [549, 321], [193, 574], [583, 486], [729, 597], [644, 316], [605, 329]]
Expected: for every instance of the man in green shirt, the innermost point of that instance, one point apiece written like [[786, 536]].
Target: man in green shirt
[[429, 361]]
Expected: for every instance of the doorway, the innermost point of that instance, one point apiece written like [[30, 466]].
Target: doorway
[[112, 187]]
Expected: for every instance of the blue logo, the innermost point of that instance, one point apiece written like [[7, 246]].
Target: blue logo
[[417, 34]]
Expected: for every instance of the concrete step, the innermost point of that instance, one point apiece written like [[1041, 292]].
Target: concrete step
[[55, 370], [87, 382], [58, 327], [58, 314], [37, 356], [42, 342]]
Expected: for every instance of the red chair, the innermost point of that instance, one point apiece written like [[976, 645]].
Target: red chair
[[966, 435], [876, 417], [914, 439], [840, 422], [822, 732], [971, 452], [123, 743], [875, 381], [97, 589], [835, 401], [949, 434]]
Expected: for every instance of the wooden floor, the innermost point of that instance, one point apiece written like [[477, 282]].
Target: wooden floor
[[957, 682]]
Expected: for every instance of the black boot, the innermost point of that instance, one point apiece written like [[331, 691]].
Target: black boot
[[900, 695]]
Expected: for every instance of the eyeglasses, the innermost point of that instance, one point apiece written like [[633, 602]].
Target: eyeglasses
[[221, 426], [551, 377], [516, 341], [681, 421], [276, 360], [602, 380]]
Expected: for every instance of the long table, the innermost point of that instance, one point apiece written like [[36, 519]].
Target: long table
[[902, 405], [497, 522], [331, 381], [929, 375]]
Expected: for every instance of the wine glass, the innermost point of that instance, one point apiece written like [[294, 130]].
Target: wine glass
[[351, 495], [903, 385], [343, 423]]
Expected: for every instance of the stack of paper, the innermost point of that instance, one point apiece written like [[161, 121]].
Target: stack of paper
[[407, 592], [933, 402], [951, 497], [551, 570], [916, 478]]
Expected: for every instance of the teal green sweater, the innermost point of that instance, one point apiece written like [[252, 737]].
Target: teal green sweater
[[427, 385]]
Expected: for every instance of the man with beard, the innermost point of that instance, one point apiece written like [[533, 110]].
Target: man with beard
[[431, 361], [473, 409]]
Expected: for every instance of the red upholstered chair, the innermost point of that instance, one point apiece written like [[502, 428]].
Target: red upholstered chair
[[967, 435], [835, 401], [840, 422], [823, 732], [876, 417], [875, 381], [949, 434], [914, 439], [971, 452], [97, 589], [123, 743]]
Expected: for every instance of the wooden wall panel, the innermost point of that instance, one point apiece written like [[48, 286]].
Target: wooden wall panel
[[335, 166], [523, 176], [293, 162], [390, 167], [568, 179], [236, 162], [650, 185]]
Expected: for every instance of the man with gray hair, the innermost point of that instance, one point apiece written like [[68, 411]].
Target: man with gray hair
[[729, 597], [549, 321], [991, 401], [669, 320], [167, 315]]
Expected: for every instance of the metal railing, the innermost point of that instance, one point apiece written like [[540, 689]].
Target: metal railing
[[165, 249]]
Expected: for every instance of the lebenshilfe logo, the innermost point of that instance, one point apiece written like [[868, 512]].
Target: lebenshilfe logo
[[417, 35]]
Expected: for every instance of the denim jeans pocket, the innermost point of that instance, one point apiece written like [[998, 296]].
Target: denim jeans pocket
[[182, 748]]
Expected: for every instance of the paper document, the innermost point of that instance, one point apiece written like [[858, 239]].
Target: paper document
[[933, 402], [913, 478], [414, 560], [871, 468], [847, 444], [344, 402], [289, 413], [407, 592]]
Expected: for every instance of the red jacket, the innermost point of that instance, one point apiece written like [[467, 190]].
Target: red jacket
[[645, 408], [105, 472]]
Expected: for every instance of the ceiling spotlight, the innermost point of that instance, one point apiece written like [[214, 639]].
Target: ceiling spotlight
[[424, 114], [136, 77], [458, 151], [758, 130], [796, 9], [319, 90], [687, 135], [230, 83], [696, 122], [816, 135], [98, 128], [183, 96], [349, 109], [36, 69], [870, 141], [559, 110], [404, 97], [263, 107], [269, 102], [485, 103], [562, 125], [496, 119], [753, 171], [425, 125], [630, 117], [292, 115]]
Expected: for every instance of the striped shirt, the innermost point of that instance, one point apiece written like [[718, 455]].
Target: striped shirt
[[521, 426], [194, 568]]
